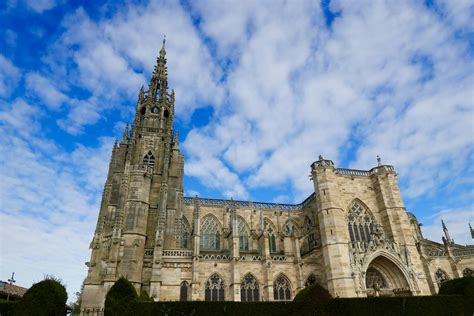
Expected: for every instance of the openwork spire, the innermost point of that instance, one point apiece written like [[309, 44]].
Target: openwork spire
[[158, 87]]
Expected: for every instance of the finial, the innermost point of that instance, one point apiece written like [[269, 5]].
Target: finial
[[162, 50], [115, 142], [176, 138], [125, 134], [379, 161], [442, 223], [321, 157]]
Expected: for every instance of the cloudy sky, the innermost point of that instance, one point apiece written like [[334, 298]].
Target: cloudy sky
[[262, 88]]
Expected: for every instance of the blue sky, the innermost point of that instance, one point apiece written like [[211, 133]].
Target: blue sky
[[262, 88]]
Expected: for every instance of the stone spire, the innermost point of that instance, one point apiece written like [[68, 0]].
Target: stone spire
[[125, 134], [158, 87], [472, 230], [176, 139], [446, 239]]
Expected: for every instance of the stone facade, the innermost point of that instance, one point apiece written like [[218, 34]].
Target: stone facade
[[352, 235]]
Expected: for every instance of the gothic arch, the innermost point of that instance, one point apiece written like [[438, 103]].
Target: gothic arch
[[244, 233], [440, 276], [360, 221], [291, 228], [214, 288], [184, 291], [211, 231], [268, 223], [270, 229], [362, 204], [249, 289], [214, 217], [391, 271], [184, 237], [149, 159], [467, 272], [282, 288]]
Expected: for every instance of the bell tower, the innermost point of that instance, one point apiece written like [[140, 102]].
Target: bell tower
[[142, 199]]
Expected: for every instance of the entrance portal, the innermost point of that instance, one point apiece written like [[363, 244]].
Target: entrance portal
[[384, 278]]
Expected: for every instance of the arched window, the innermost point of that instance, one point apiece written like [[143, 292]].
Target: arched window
[[183, 291], [374, 279], [149, 160], [290, 228], [243, 234], [360, 223], [467, 272], [440, 277], [268, 227], [249, 290], [281, 289], [210, 234], [310, 280], [308, 227], [214, 288], [184, 233]]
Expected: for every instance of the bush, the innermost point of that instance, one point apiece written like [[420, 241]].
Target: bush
[[47, 298], [313, 294], [144, 297], [7, 308], [120, 297], [462, 286]]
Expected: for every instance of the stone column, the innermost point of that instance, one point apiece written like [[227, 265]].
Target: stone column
[[195, 284]]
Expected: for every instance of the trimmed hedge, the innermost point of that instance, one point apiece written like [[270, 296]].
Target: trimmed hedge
[[416, 306], [47, 298], [462, 286], [7, 308], [120, 298]]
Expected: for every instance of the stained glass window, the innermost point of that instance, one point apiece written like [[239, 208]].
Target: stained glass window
[[183, 291], [243, 234], [308, 226], [271, 236], [184, 234], [249, 290], [281, 289], [360, 223], [210, 234], [214, 290]]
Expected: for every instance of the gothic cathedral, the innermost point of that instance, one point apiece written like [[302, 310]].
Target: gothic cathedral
[[352, 235]]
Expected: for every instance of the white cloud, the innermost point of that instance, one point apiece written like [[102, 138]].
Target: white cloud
[[45, 90], [388, 79], [49, 199], [112, 58], [39, 6], [9, 76]]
